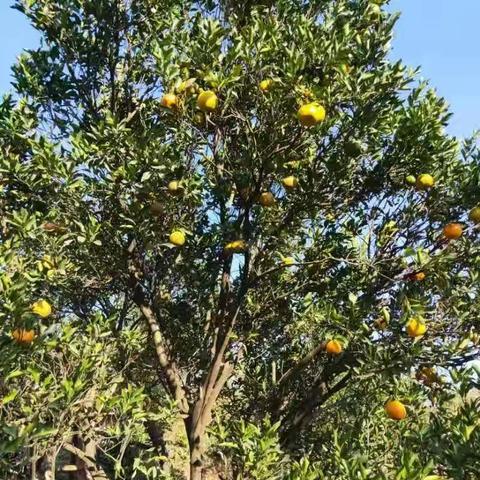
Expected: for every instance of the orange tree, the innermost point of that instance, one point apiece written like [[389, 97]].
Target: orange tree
[[242, 216]]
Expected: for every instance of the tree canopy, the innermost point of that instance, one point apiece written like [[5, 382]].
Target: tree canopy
[[236, 242]]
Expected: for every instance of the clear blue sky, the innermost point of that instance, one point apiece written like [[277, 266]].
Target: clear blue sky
[[442, 36]]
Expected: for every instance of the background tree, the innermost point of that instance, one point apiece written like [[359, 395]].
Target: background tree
[[248, 219]]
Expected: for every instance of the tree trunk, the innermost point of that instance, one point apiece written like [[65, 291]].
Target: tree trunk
[[47, 467], [196, 458]]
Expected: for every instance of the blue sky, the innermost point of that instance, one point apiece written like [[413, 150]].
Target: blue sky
[[440, 35]]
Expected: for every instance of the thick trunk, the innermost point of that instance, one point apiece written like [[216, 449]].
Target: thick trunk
[[196, 457]]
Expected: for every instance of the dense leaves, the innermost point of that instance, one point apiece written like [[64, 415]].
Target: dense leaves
[[199, 254]]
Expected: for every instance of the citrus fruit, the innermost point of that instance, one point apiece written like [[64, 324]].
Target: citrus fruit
[[42, 308], [177, 237], [169, 100], [265, 85], [207, 101], [175, 187], [474, 215], [425, 181], [23, 336], [452, 231], [290, 182], [415, 328], [410, 179], [395, 410], [334, 347], [310, 114], [266, 199]]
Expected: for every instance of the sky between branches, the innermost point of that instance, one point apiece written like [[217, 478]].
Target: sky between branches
[[440, 35]]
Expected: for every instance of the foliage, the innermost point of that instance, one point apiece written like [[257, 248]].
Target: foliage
[[146, 335]]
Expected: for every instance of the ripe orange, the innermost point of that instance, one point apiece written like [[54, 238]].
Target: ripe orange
[[265, 85], [266, 199], [42, 308], [310, 114], [416, 328], [207, 101], [23, 336], [453, 231], [395, 410], [290, 182], [177, 237], [169, 100], [416, 276], [474, 215], [237, 246], [425, 181], [333, 347]]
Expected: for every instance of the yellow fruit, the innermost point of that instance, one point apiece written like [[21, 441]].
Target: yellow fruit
[[290, 182], [265, 85], [169, 100], [237, 246], [174, 187], [395, 410], [410, 179], [425, 181], [288, 261], [177, 237], [310, 114], [345, 68], [416, 328], [42, 308], [416, 276], [474, 215], [207, 101], [333, 347], [453, 231], [266, 199], [23, 336]]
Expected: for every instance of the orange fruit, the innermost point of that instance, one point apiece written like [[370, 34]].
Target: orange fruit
[[452, 231], [333, 347], [290, 182], [416, 276], [416, 328], [237, 246], [42, 308], [288, 261], [265, 85], [207, 101], [21, 335], [425, 181], [310, 114], [169, 100], [395, 410], [410, 179], [177, 237], [266, 199], [474, 215]]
